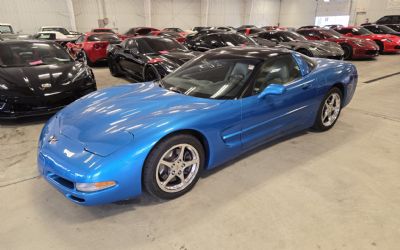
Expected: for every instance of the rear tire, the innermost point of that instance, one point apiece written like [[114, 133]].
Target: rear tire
[[113, 67], [170, 172], [329, 110]]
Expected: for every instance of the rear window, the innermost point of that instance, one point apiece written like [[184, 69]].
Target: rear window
[[103, 37], [6, 29]]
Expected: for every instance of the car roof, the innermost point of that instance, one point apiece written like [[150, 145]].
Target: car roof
[[248, 52]]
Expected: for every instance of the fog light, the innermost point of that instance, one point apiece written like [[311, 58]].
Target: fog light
[[95, 186]]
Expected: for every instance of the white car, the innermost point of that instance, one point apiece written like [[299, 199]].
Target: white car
[[51, 35], [62, 30]]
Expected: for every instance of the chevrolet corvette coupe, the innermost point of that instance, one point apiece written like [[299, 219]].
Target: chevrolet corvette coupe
[[299, 43], [381, 29], [93, 46], [353, 47], [386, 42], [147, 58], [159, 136], [39, 78]]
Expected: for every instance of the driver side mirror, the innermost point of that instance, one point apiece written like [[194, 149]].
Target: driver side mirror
[[272, 89], [81, 57]]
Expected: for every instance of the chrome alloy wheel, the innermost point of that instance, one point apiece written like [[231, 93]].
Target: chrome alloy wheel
[[331, 109], [177, 168]]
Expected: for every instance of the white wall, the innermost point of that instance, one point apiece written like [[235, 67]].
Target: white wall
[[175, 13], [302, 12], [29, 16], [263, 12]]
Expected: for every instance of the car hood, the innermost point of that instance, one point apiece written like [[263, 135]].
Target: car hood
[[325, 45], [42, 80], [175, 58], [102, 119]]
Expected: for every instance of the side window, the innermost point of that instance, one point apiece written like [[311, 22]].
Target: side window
[[310, 62], [280, 70], [80, 39], [130, 44]]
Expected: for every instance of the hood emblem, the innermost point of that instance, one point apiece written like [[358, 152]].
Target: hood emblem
[[52, 139], [45, 86]]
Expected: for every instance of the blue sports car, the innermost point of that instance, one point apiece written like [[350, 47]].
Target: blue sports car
[[159, 136]]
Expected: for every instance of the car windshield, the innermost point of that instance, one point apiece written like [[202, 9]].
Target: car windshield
[[61, 30], [290, 36], [103, 37], [6, 29], [361, 31], [236, 40], [24, 54], [211, 78], [153, 45], [331, 34]]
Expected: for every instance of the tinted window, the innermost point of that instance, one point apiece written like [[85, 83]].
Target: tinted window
[[80, 39], [103, 30], [236, 40], [156, 45], [61, 30], [6, 29], [103, 37], [46, 36], [22, 54], [280, 70], [211, 78]]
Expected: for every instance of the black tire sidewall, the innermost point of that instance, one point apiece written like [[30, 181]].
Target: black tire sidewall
[[318, 125], [349, 50], [150, 167]]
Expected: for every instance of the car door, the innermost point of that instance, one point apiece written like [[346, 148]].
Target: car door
[[130, 60], [269, 117]]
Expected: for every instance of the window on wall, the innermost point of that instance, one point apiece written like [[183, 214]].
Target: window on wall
[[328, 20]]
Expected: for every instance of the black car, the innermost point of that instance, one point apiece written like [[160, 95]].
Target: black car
[[309, 27], [216, 40], [390, 19], [39, 78], [200, 28], [299, 43], [381, 29], [147, 58]]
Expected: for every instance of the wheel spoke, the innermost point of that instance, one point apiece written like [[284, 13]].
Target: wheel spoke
[[181, 153], [181, 176], [190, 163], [166, 163], [169, 178]]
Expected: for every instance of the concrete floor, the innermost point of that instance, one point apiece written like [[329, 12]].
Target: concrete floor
[[333, 190]]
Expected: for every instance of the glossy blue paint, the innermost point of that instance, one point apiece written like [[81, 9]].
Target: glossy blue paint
[[107, 135]]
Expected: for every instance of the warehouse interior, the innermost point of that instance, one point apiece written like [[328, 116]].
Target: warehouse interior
[[336, 189]]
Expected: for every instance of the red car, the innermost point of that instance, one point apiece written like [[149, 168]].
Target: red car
[[386, 42], [352, 47], [93, 46]]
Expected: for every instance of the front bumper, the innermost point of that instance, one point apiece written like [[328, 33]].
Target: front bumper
[[365, 52], [15, 108], [391, 47]]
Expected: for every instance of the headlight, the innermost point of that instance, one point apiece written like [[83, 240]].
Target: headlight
[[94, 186], [386, 40]]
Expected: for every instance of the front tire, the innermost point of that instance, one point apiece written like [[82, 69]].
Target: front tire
[[173, 166], [329, 110], [151, 74], [348, 52], [114, 68]]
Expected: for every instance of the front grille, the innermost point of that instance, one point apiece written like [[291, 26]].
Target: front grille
[[64, 182]]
